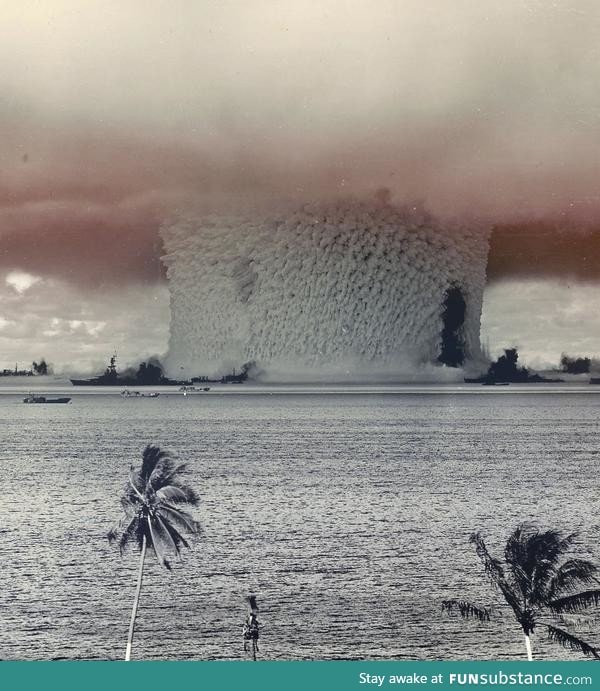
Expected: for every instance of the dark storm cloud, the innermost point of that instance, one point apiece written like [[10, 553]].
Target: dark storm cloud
[[116, 114]]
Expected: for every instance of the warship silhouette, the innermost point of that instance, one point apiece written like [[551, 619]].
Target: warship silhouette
[[152, 375]]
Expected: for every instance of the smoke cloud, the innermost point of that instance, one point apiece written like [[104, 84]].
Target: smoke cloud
[[115, 116]]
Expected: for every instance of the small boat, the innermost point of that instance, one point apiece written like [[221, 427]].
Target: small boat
[[42, 399], [137, 394], [185, 390]]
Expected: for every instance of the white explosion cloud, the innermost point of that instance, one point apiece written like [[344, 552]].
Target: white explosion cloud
[[344, 291]]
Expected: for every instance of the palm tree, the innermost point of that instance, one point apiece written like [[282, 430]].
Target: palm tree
[[252, 626], [538, 583], [153, 517]]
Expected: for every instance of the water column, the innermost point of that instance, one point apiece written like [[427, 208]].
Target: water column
[[346, 291]]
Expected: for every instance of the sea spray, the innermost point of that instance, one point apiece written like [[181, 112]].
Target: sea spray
[[348, 291]]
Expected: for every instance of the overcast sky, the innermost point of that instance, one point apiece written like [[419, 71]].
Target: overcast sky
[[113, 114]]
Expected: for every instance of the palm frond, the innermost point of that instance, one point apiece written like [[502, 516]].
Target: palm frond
[[533, 556], [516, 554], [134, 489], [175, 536], [567, 542], [131, 492], [163, 470], [167, 472], [151, 456], [575, 603], [123, 530], [567, 640], [178, 493], [112, 535], [132, 531], [157, 544], [115, 532], [545, 551], [190, 495], [170, 540], [549, 545], [466, 609], [129, 500], [180, 518], [493, 568], [571, 575]]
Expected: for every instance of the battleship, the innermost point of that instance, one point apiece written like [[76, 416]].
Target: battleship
[[147, 374], [506, 371], [110, 377], [152, 375]]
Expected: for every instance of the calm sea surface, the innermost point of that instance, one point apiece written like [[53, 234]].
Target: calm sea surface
[[346, 510]]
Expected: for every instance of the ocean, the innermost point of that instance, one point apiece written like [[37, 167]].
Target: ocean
[[346, 510]]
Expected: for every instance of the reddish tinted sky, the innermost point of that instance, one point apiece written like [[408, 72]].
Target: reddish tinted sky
[[115, 115]]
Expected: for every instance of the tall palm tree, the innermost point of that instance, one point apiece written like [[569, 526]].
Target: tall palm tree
[[538, 583], [153, 518]]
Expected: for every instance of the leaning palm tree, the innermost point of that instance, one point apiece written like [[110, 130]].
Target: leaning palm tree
[[538, 583], [153, 518]]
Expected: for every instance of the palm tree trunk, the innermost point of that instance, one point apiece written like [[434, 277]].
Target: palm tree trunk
[[136, 601], [528, 646]]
